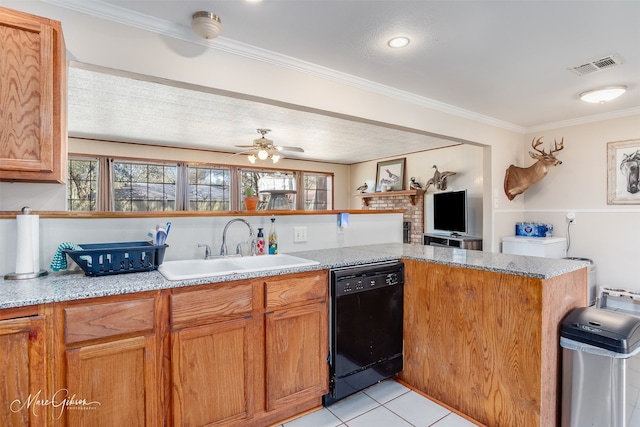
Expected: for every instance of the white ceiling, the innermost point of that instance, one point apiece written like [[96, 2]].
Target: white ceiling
[[502, 60]]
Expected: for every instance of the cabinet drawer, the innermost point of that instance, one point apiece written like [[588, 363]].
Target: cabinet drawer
[[97, 321], [296, 289], [219, 303]]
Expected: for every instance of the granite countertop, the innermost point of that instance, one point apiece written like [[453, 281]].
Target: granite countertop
[[66, 286]]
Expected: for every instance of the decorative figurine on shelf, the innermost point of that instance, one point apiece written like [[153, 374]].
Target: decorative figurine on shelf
[[362, 188], [439, 179], [415, 185]]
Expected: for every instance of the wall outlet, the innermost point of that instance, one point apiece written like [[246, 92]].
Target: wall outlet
[[571, 218], [299, 234]]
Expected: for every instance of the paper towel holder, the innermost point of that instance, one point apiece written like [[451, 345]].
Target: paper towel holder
[[22, 276]]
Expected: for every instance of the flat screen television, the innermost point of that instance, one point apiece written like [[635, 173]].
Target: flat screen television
[[450, 212]]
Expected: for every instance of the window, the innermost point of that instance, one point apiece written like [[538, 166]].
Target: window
[[275, 189], [107, 184], [144, 186], [318, 191], [209, 188], [82, 187]]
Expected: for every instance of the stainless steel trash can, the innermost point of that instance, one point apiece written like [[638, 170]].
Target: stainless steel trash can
[[596, 346]]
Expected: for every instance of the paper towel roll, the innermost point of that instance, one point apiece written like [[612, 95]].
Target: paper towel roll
[[28, 244]]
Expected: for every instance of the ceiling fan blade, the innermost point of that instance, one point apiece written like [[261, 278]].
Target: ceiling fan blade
[[298, 149], [245, 146]]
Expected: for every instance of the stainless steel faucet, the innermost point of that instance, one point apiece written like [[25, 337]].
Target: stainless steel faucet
[[223, 248], [207, 250]]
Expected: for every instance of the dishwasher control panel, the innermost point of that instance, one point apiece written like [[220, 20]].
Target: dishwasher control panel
[[362, 280]]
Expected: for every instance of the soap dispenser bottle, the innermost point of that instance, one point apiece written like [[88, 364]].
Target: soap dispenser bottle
[[260, 244], [273, 238]]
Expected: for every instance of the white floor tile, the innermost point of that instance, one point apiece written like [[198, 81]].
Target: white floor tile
[[320, 418], [353, 406], [453, 420], [379, 417], [416, 409], [386, 390]]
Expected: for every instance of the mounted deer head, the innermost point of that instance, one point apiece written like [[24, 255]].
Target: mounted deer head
[[518, 180]]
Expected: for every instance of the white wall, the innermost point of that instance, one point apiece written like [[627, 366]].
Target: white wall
[[608, 234], [186, 233]]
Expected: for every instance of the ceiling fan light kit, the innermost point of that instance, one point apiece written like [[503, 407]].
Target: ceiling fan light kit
[[263, 149], [206, 24]]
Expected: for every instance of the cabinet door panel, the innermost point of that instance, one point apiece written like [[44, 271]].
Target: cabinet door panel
[[212, 376], [116, 383], [296, 352], [23, 371]]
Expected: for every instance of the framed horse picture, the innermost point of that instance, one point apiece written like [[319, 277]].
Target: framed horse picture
[[623, 172]]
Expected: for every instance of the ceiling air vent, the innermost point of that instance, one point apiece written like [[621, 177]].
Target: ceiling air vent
[[597, 65]]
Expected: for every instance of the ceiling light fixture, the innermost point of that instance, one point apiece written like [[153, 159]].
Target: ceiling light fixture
[[604, 94], [398, 42], [206, 24]]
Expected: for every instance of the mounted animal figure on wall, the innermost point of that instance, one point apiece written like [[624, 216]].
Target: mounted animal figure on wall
[[517, 180]]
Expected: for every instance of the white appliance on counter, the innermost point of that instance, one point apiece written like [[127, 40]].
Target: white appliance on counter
[[547, 247]]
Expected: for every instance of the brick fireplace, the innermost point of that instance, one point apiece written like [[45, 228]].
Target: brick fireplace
[[411, 202]]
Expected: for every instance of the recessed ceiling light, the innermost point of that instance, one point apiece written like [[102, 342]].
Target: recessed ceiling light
[[397, 42], [604, 94]]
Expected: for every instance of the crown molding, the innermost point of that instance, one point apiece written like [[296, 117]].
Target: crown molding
[[585, 120]]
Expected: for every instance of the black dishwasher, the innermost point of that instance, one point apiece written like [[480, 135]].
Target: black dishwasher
[[365, 327]]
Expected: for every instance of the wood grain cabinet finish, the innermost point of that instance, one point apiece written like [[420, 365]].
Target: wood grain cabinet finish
[[33, 133], [297, 339], [486, 343], [109, 357], [212, 340], [23, 374]]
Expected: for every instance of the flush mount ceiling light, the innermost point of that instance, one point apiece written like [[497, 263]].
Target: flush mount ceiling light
[[604, 94], [398, 42], [206, 24]]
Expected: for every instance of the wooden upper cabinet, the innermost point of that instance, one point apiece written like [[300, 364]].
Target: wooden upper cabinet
[[33, 73]]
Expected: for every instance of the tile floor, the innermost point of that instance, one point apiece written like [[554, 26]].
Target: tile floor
[[387, 404]]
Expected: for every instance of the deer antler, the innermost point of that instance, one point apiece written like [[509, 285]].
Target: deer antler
[[535, 144], [558, 146]]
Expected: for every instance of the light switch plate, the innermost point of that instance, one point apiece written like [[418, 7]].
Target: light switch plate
[[299, 234]]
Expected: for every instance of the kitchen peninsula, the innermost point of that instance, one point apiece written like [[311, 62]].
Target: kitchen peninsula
[[480, 336]]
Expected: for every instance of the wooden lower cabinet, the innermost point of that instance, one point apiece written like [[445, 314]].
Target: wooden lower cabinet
[[116, 381], [248, 353], [486, 343], [212, 379], [23, 374], [107, 364], [295, 343]]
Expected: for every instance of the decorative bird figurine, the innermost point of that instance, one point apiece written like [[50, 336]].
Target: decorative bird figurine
[[439, 179], [362, 188], [415, 185]]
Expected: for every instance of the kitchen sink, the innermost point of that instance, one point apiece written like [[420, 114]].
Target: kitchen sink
[[197, 268]]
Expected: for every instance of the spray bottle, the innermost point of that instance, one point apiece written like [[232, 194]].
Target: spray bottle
[[273, 238]]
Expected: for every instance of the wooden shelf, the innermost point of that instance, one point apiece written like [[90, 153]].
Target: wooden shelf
[[411, 194]]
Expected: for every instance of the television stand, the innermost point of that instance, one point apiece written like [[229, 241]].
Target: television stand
[[452, 241]]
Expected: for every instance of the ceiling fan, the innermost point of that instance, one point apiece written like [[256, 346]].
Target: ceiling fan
[[263, 148]]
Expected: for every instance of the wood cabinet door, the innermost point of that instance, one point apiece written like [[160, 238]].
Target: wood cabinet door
[[32, 98], [113, 384], [23, 375], [296, 354], [212, 374]]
